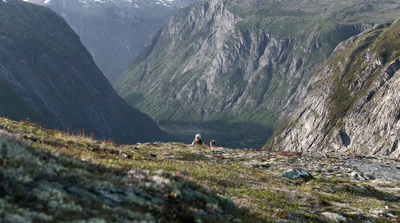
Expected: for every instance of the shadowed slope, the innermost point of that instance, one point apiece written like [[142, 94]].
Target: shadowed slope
[[48, 76]]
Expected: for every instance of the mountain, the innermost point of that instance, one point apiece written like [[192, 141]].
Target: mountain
[[354, 107], [239, 67], [114, 31], [48, 76]]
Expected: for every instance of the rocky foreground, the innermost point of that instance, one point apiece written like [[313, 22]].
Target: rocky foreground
[[51, 176]]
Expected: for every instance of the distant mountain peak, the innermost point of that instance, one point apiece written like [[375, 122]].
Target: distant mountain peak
[[136, 3], [114, 31]]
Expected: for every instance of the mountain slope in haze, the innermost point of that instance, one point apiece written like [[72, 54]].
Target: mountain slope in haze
[[355, 107], [47, 75], [114, 31], [241, 65]]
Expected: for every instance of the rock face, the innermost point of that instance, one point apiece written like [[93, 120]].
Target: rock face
[[355, 106], [47, 75], [114, 31], [298, 174], [244, 62]]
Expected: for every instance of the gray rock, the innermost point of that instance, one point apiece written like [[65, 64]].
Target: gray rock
[[359, 176], [297, 174], [334, 217], [126, 156]]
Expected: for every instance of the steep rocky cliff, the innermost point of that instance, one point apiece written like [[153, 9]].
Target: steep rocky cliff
[[114, 31], [243, 62], [48, 76], [355, 106]]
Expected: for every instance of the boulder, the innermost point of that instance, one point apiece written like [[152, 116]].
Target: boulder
[[297, 173]]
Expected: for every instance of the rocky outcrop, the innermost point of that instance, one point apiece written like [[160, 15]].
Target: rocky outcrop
[[114, 31], [48, 76], [60, 188], [234, 61], [355, 105]]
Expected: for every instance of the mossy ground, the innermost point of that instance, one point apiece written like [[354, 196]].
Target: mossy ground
[[55, 176]]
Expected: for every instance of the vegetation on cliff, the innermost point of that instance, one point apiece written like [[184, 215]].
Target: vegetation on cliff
[[354, 104]]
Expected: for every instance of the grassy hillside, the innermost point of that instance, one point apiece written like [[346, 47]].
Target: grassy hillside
[[51, 176]]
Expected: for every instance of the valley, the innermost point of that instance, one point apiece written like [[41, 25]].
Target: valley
[[237, 135], [233, 69], [242, 62]]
